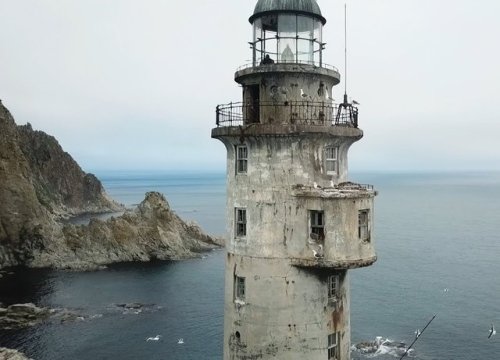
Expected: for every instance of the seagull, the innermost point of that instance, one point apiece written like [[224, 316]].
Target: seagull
[[354, 102], [417, 333], [302, 93], [180, 341], [446, 290], [315, 185], [156, 338], [492, 331], [319, 253]]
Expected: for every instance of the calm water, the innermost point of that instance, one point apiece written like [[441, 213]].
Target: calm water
[[433, 232]]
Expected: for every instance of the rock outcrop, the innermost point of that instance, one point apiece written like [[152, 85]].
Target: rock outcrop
[[40, 185], [19, 316], [149, 232], [9, 354]]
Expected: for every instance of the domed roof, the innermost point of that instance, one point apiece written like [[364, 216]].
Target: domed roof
[[308, 7]]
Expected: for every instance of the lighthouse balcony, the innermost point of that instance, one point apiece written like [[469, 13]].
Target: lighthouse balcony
[[286, 113]]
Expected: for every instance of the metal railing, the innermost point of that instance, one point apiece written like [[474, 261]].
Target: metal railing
[[298, 62], [287, 113]]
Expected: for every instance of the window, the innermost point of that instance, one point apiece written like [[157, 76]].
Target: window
[[241, 159], [317, 225], [331, 159], [239, 288], [333, 287], [364, 225], [333, 348], [241, 222]]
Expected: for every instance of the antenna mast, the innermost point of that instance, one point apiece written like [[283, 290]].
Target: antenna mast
[[345, 53]]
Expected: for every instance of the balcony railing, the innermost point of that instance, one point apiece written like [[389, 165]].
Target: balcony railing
[[287, 113], [298, 62]]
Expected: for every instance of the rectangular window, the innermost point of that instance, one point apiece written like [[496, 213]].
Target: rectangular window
[[333, 348], [333, 287], [317, 225], [241, 222], [241, 159], [364, 225], [331, 157], [239, 288]]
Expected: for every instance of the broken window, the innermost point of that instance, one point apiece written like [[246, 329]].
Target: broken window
[[317, 225], [333, 348], [239, 288], [241, 222], [333, 287], [331, 159], [364, 225], [241, 159]]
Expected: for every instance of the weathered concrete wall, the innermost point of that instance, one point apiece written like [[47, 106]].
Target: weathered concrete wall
[[297, 92], [286, 313], [277, 216], [286, 284]]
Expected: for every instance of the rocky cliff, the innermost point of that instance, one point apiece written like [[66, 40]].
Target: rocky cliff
[[40, 184]]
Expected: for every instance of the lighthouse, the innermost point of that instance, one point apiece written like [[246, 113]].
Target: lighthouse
[[295, 224]]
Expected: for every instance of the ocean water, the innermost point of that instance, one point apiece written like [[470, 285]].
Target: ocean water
[[437, 239]]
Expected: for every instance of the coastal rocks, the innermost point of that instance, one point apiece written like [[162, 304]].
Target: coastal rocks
[[40, 185], [10, 354], [151, 231], [19, 316], [73, 193], [381, 346]]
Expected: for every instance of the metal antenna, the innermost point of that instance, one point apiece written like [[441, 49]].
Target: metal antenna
[[345, 53], [345, 48], [417, 337]]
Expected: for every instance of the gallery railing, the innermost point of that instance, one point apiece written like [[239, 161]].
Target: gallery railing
[[288, 112]]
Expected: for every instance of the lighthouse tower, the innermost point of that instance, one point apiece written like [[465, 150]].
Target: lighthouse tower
[[295, 224]]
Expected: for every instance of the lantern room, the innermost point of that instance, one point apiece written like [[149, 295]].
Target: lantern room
[[287, 31]]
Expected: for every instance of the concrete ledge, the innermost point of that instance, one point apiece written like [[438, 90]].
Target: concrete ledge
[[333, 264], [286, 130], [354, 191], [287, 68]]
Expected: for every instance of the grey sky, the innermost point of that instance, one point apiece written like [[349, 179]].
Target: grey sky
[[128, 84]]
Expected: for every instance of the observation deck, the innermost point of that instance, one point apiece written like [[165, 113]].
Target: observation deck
[[287, 112]]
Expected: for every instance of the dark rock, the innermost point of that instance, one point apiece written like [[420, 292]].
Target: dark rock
[[22, 315]]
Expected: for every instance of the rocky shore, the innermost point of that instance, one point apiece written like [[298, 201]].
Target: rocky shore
[[41, 185], [9, 354]]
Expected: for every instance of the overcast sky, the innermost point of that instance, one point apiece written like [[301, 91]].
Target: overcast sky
[[129, 84]]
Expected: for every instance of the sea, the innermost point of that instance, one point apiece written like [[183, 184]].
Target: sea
[[437, 237]]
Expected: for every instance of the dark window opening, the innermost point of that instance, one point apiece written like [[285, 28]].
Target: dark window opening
[[241, 222], [241, 159], [317, 225], [239, 292], [364, 225]]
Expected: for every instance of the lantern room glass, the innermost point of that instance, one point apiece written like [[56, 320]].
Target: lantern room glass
[[287, 38]]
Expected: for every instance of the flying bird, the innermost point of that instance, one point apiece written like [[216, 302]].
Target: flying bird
[[156, 338], [354, 102], [417, 333], [492, 331], [180, 341], [302, 94]]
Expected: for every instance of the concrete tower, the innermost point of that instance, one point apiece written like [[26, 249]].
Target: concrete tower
[[295, 225]]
